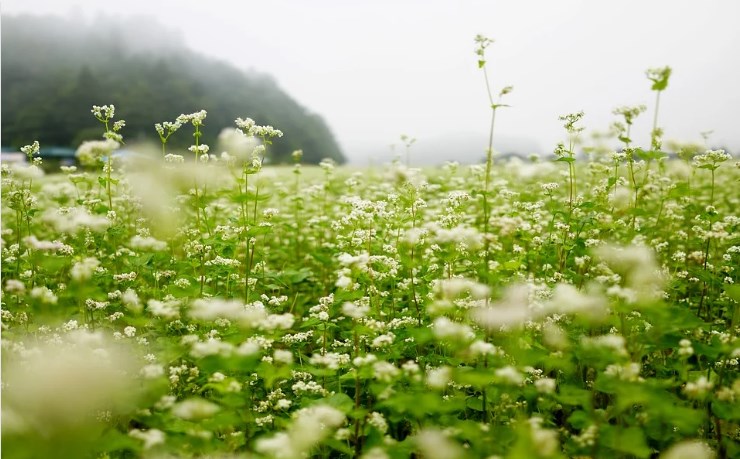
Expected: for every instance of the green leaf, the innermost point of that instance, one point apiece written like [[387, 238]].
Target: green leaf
[[474, 403], [733, 291], [574, 396], [579, 419], [342, 402], [630, 440], [727, 411]]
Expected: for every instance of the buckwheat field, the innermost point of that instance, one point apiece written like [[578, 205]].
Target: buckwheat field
[[201, 304]]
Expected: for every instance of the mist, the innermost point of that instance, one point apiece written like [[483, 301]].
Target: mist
[[376, 71]]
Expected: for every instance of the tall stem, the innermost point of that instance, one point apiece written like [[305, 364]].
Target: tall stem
[[107, 182], [487, 184], [653, 137]]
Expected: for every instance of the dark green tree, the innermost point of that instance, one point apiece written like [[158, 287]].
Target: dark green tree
[[54, 69]]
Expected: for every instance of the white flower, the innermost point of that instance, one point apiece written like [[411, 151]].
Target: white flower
[[616, 343], [434, 444], [383, 340], [354, 311], [74, 219], [61, 386], [453, 288], [445, 329], [343, 282], [510, 375], [685, 349], [512, 310], [174, 159], [478, 348], [168, 309], [689, 449], [309, 427], [437, 378], [545, 441], [627, 372], [151, 437], [377, 420], [152, 371], [698, 388], [213, 308], [83, 270], [385, 371], [283, 356], [44, 295], [130, 300], [211, 346], [568, 300], [368, 359], [277, 322], [31, 172], [14, 286], [330, 360], [545, 385], [194, 409], [91, 152], [637, 267], [375, 453], [147, 243], [711, 158], [278, 446]]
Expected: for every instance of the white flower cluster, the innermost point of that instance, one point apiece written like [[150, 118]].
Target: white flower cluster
[[689, 449], [309, 427], [72, 220], [711, 158], [196, 119], [194, 409], [84, 270], [454, 332], [642, 279], [698, 388], [354, 311], [31, 150], [169, 127], [434, 444], [148, 244], [614, 343], [91, 152], [253, 315], [457, 286], [151, 437], [169, 309], [103, 113], [330, 360], [248, 128]]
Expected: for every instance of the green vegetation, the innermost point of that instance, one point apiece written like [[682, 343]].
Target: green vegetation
[[54, 69], [213, 307]]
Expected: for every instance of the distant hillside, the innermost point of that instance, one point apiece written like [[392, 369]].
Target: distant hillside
[[462, 147], [54, 69]]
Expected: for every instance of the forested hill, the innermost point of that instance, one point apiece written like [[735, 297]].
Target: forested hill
[[54, 69]]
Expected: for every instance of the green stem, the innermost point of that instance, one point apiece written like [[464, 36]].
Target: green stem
[[107, 182], [653, 137]]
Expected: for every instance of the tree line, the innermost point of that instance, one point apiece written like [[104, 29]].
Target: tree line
[[54, 69]]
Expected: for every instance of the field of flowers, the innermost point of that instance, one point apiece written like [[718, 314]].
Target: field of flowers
[[207, 306]]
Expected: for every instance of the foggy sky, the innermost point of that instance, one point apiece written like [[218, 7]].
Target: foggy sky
[[378, 69]]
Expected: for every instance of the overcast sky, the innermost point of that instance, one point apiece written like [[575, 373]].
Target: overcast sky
[[377, 69]]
